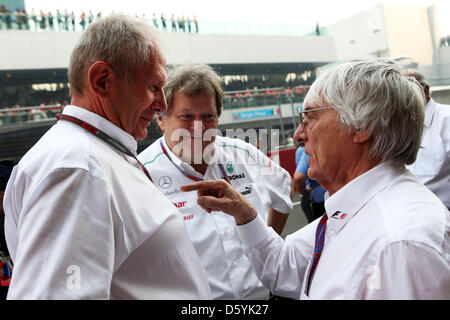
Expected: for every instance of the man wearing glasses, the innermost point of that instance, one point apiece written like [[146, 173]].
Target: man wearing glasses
[[384, 235]]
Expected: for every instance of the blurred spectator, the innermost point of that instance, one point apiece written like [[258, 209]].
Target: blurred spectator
[[189, 21], [155, 21], [196, 24], [59, 20], [163, 22], [66, 19], [90, 17], [312, 192], [50, 21], [19, 22], [2, 16], [83, 20], [174, 24], [43, 21], [72, 20]]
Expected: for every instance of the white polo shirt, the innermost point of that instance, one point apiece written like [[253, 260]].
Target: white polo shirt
[[84, 222], [391, 240], [432, 166], [264, 184]]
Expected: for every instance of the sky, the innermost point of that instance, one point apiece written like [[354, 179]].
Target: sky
[[298, 12]]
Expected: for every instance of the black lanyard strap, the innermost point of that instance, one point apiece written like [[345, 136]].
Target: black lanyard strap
[[103, 136]]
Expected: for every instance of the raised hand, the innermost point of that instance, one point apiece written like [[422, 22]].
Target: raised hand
[[218, 195]]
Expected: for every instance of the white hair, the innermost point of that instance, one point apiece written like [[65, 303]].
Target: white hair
[[379, 99]]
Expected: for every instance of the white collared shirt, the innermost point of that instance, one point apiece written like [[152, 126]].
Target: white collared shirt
[[84, 222], [432, 166], [389, 240], [264, 184]]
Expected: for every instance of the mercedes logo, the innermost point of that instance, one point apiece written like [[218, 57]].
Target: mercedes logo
[[165, 182]]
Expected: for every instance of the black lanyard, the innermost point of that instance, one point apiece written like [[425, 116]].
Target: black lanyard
[[103, 136]]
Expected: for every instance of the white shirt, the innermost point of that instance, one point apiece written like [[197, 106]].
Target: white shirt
[[264, 184], [432, 166], [84, 222], [390, 241]]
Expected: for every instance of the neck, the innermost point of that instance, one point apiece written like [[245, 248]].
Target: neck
[[200, 168], [351, 168], [95, 105]]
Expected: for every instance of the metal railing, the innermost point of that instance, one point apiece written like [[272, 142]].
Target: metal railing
[[13, 116], [62, 23]]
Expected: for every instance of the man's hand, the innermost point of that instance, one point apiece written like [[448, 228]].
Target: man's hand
[[218, 195]]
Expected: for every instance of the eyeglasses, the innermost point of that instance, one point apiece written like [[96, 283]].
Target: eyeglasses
[[303, 120]]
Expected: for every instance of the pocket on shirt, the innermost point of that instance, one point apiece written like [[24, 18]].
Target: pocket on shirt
[[428, 163]]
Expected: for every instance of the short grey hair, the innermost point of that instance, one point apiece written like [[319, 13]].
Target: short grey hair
[[123, 42], [191, 80], [378, 98]]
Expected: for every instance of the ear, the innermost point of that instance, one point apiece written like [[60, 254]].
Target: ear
[[161, 122], [100, 75], [426, 90], [361, 136]]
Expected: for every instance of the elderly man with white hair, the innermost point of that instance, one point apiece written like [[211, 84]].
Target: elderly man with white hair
[[384, 234]]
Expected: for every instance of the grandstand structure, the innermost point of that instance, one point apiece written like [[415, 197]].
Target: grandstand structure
[[265, 78], [265, 74]]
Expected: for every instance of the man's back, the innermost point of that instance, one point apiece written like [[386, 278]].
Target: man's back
[[84, 222]]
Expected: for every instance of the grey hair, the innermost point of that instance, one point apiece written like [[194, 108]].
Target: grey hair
[[191, 80], [123, 42], [378, 98]]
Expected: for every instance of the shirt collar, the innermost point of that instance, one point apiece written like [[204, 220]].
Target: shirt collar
[[179, 162], [349, 200], [429, 112], [104, 125]]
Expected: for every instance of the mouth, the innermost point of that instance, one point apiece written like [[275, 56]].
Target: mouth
[[147, 118]]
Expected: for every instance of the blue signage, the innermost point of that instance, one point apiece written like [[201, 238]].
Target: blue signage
[[246, 115]]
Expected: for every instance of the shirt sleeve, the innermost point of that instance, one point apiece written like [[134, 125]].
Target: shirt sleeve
[[65, 238], [407, 270], [280, 265]]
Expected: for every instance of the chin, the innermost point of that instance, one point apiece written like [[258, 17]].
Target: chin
[[140, 135]]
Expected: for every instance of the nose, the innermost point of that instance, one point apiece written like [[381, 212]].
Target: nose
[[160, 104], [300, 134]]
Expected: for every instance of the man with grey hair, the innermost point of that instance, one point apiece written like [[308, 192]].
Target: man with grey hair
[[191, 150], [384, 234], [432, 166], [83, 218]]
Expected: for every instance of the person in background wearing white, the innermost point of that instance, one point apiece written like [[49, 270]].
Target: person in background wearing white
[[432, 166], [190, 151], [384, 235], [83, 219]]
